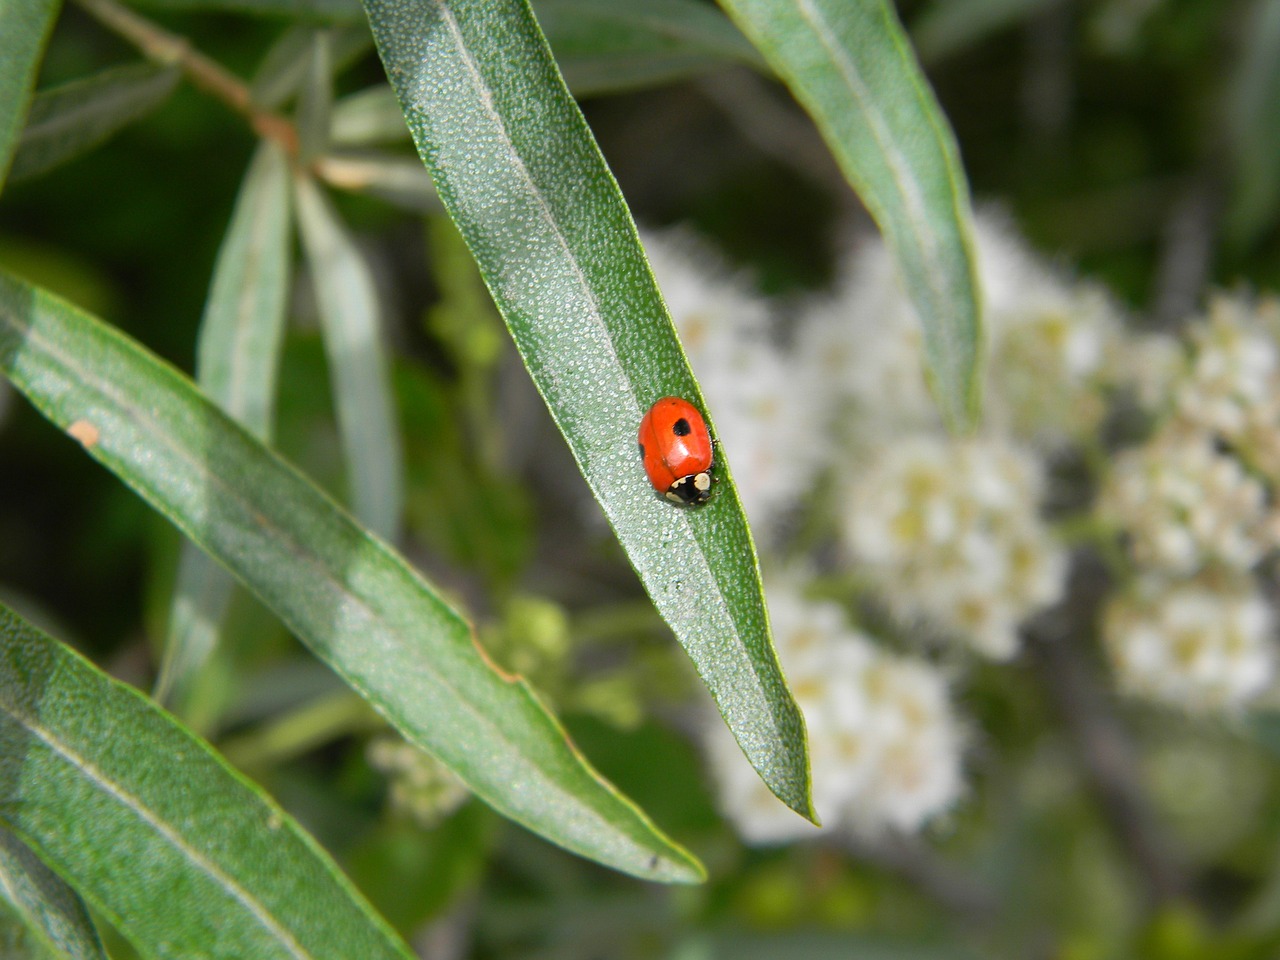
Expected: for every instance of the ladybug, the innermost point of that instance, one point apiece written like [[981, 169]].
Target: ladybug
[[677, 451]]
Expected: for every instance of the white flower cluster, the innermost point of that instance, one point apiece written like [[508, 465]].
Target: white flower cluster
[[419, 786], [1051, 342], [884, 743], [1203, 644], [750, 381], [1185, 504], [1195, 505], [948, 532]]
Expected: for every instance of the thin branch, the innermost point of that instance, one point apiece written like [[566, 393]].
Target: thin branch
[[949, 885], [168, 48], [1103, 745]]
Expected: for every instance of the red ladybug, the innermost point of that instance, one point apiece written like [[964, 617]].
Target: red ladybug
[[677, 451]]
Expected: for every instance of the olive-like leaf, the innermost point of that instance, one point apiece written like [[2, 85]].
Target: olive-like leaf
[[1253, 127], [849, 63], [283, 69], [51, 910], [351, 319], [520, 174], [603, 46], [73, 118], [237, 361], [398, 179], [136, 811], [24, 28], [945, 27], [355, 602]]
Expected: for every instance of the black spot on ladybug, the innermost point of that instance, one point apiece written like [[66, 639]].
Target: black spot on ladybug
[[681, 428], [641, 446]]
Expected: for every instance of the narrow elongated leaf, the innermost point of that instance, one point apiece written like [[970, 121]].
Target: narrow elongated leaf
[[51, 910], [283, 69], [72, 119], [519, 173], [237, 360], [355, 602], [395, 178], [608, 45], [315, 104], [350, 315], [136, 811], [24, 28], [369, 116], [315, 11], [849, 64], [1253, 125], [947, 26]]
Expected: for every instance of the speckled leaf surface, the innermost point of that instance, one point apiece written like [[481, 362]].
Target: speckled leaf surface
[[134, 811], [53, 912], [521, 175], [354, 601], [24, 28], [850, 64]]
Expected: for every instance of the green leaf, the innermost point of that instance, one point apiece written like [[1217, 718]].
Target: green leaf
[[72, 119], [949, 26], [237, 361], [351, 319], [604, 46], [369, 116], [849, 64], [312, 11], [517, 169], [397, 179], [283, 70], [24, 28], [1253, 128], [315, 104], [349, 597], [51, 910], [137, 812]]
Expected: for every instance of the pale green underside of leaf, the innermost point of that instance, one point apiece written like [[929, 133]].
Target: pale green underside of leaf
[[52, 911], [350, 318], [519, 172], [945, 27], [849, 63], [603, 46], [72, 119], [237, 362], [284, 67], [24, 28], [351, 599], [1253, 123], [134, 811]]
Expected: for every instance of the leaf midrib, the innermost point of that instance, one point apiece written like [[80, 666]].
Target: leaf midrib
[[134, 804], [594, 314], [478, 714], [880, 131]]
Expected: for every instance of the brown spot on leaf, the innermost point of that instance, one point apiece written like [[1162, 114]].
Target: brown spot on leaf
[[84, 432]]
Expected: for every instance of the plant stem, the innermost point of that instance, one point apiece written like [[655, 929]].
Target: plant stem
[[1103, 745], [169, 48]]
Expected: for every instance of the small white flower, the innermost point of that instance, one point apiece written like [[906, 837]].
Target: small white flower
[[1231, 384], [884, 745], [949, 534], [1184, 504], [1205, 644], [1235, 365]]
